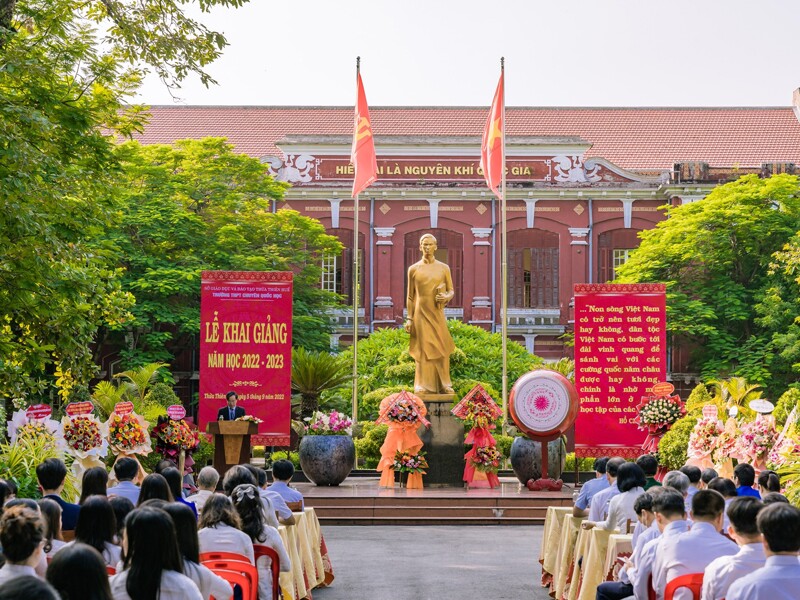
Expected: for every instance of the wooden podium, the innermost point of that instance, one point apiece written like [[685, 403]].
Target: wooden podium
[[231, 443]]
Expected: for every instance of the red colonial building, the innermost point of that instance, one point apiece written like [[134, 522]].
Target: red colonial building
[[582, 183]]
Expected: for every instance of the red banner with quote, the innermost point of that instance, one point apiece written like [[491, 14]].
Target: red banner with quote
[[246, 347], [620, 352]]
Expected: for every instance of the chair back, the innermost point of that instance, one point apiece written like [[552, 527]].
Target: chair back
[[275, 566], [68, 536], [651, 593], [693, 581], [111, 570], [246, 570], [234, 556], [295, 506], [236, 578]]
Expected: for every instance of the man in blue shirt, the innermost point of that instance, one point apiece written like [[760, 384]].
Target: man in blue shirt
[[51, 475], [125, 470], [744, 476], [282, 472], [590, 488]]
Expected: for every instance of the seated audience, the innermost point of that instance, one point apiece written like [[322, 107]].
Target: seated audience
[[707, 475], [588, 489], [79, 573], [723, 571], [241, 474], [28, 587], [121, 507], [51, 474], [154, 487], [694, 474], [691, 552], [164, 464], [727, 488], [207, 481], [153, 567], [125, 470], [175, 481], [598, 509], [51, 516], [773, 497], [768, 481], [220, 528], [97, 527], [247, 502], [206, 580], [649, 464], [744, 476], [5, 493], [678, 482], [22, 539], [779, 578], [282, 473], [630, 482], [93, 483], [283, 512]]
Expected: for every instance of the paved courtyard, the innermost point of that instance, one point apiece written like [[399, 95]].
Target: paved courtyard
[[427, 563]]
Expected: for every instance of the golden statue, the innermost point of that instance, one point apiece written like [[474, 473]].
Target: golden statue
[[430, 288]]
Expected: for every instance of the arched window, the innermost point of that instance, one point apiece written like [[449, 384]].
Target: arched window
[[337, 269], [450, 250], [613, 248], [533, 269]]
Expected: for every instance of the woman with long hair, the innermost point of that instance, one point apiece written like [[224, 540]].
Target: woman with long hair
[[78, 572], [154, 486], [220, 529], [250, 509], [189, 546], [51, 515], [121, 507], [94, 483], [175, 482], [97, 527], [22, 540], [153, 568]]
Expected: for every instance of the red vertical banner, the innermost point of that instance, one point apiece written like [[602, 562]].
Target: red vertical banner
[[620, 352], [246, 347]]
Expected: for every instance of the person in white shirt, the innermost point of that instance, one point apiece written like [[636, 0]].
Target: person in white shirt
[[153, 567], [126, 470], [589, 489], [695, 477], [220, 529], [706, 476], [692, 551], [282, 510], [51, 515], [27, 587], [723, 571], [97, 527], [779, 578], [630, 482], [598, 509], [669, 509], [22, 539], [207, 481], [79, 571], [727, 488]]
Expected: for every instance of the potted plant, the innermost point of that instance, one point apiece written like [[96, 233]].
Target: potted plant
[[327, 452]]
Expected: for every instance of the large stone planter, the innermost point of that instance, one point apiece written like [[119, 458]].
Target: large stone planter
[[526, 459], [327, 459]]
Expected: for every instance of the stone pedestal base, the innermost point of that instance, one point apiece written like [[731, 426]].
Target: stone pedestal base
[[444, 442]]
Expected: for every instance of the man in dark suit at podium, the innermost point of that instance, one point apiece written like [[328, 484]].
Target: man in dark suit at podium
[[230, 412]]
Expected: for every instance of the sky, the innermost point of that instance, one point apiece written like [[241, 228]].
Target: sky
[[447, 53]]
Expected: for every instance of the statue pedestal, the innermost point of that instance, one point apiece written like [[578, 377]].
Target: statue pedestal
[[444, 442]]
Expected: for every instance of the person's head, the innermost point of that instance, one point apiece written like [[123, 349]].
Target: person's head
[[78, 572], [708, 506], [22, 535], [612, 467], [693, 473], [27, 587], [27, 502], [150, 546], [185, 530], [247, 503], [51, 516], [742, 513], [707, 475], [630, 476], [164, 464], [219, 509], [668, 506], [283, 470], [121, 507], [648, 464], [231, 398], [599, 466], [779, 523], [126, 469], [677, 481], [744, 475], [259, 474], [643, 507], [11, 486], [51, 474], [5, 493], [428, 244], [238, 475], [97, 523], [724, 486], [208, 478], [94, 483], [175, 482], [154, 486], [773, 497], [768, 481]]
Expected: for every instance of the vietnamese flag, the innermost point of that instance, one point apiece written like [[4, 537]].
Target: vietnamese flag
[[492, 159], [363, 157]]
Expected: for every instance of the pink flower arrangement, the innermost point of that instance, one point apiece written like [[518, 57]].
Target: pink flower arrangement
[[756, 440], [403, 411], [334, 423], [703, 439]]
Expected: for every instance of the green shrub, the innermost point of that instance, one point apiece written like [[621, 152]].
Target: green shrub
[[672, 450], [368, 446], [785, 404], [163, 395], [294, 457], [504, 444], [259, 451], [584, 464]]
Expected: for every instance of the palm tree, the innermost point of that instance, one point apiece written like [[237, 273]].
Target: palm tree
[[315, 372], [735, 391]]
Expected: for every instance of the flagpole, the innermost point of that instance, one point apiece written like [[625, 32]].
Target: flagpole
[[504, 255], [355, 286]]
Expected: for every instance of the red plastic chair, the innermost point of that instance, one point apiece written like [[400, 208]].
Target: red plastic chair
[[111, 570], [237, 578], [275, 567], [245, 569], [207, 556], [651, 593], [693, 581]]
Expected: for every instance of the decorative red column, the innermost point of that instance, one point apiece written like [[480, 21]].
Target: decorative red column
[[481, 302], [384, 307]]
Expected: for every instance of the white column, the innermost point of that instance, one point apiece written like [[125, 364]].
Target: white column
[[335, 202]]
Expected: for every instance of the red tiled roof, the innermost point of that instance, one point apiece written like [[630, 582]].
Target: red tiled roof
[[632, 138]]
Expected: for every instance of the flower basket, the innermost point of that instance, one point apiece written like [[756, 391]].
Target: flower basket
[[656, 415]]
